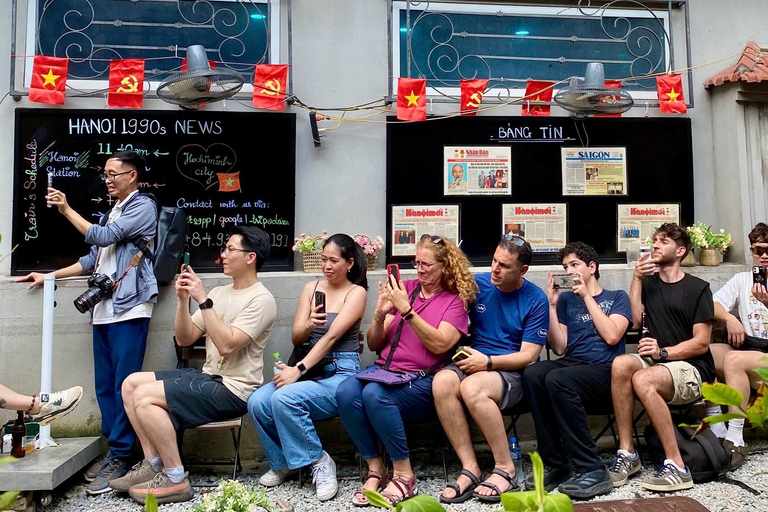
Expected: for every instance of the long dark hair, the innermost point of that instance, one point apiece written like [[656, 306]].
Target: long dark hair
[[350, 250]]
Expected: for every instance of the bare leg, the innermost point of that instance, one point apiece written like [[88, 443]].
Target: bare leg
[[130, 384], [737, 368], [376, 465], [654, 388], [718, 351], [623, 396], [403, 471], [152, 415], [14, 401]]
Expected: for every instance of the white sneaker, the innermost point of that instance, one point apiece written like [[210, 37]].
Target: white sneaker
[[55, 405], [272, 478], [324, 477]]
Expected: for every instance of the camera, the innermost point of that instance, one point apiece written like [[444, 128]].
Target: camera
[[759, 275], [564, 280], [99, 287]]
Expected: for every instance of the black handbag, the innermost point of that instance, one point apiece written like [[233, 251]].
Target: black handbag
[[319, 371]]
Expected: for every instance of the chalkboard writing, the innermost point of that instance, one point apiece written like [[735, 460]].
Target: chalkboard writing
[[224, 169]]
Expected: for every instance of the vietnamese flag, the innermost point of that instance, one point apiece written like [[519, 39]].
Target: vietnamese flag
[[471, 95], [229, 181], [537, 91], [609, 84], [670, 90], [411, 99], [49, 80], [269, 86], [126, 83]]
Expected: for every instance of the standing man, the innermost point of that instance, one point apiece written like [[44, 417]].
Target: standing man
[[480, 179], [121, 319], [670, 364], [236, 320], [508, 328], [586, 326]]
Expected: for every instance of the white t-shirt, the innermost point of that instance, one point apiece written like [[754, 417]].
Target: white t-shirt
[[752, 313]]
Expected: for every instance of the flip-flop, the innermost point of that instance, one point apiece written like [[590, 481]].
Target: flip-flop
[[363, 500], [461, 497], [496, 498]]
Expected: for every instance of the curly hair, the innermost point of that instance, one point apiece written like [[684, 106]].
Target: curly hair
[[456, 275], [759, 234], [582, 251]]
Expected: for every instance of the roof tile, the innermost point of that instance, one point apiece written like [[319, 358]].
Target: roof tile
[[752, 67]]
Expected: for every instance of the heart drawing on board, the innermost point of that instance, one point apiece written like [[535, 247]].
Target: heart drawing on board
[[201, 164]]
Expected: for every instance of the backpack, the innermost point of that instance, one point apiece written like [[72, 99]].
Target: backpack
[[704, 455], [170, 240]]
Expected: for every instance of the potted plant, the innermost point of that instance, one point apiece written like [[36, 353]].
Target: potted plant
[[711, 244], [371, 247], [232, 495], [310, 248]]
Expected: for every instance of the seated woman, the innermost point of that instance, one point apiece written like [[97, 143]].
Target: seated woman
[[415, 323], [284, 409]]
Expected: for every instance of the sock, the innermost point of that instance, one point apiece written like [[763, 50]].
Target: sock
[[736, 432], [156, 463], [322, 459], [719, 429], [175, 475], [632, 456], [670, 461]]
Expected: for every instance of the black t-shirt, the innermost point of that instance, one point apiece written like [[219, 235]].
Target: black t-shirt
[[671, 310]]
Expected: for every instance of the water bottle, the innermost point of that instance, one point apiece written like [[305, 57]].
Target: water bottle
[[276, 356], [517, 459]]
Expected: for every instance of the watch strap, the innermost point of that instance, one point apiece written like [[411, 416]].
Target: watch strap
[[206, 304]]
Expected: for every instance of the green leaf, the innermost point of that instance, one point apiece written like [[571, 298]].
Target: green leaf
[[419, 503], [720, 418], [722, 394], [538, 477], [557, 503], [757, 413], [150, 504], [377, 500], [762, 372], [7, 499], [519, 501]]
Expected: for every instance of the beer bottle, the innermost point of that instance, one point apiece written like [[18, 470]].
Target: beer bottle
[[18, 432], [644, 332]]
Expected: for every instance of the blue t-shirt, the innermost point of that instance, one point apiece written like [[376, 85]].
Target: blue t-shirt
[[501, 321], [584, 342]]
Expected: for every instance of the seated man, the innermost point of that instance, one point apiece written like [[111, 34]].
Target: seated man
[[670, 364], [587, 326], [747, 341], [508, 328], [236, 320]]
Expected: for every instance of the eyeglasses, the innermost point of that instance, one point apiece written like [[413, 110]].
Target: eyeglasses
[[426, 266], [433, 238], [759, 251], [224, 250], [111, 177], [515, 239]]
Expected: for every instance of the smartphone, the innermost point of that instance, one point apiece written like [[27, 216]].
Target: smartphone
[[393, 269], [759, 275], [644, 249], [320, 301], [564, 280], [186, 259], [460, 355]]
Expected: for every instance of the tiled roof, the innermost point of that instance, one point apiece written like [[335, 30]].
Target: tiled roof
[[751, 67]]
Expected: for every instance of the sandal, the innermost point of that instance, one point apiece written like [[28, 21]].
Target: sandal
[[460, 496], [496, 498], [407, 489], [359, 499]]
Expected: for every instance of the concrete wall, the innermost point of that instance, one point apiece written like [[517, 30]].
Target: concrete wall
[[339, 58]]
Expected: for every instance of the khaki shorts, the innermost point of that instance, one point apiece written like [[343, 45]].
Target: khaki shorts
[[685, 377]]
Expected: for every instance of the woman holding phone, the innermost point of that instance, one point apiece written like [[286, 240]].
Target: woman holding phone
[[415, 324], [326, 338]]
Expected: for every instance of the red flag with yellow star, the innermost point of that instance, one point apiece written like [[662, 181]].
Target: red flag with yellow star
[[49, 80], [670, 90], [229, 181], [471, 95], [269, 86], [126, 83], [537, 91], [411, 99], [610, 84]]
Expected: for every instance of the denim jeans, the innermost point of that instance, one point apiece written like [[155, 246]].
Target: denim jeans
[[283, 417]]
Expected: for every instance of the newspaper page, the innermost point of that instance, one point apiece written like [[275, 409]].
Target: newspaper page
[[543, 225], [475, 171], [639, 221], [594, 171], [410, 222]]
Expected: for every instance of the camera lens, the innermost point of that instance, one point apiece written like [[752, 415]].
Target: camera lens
[[88, 299]]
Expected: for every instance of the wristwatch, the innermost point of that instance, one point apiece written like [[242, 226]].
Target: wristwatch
[[301, 367], [663, 354], [207, 304]]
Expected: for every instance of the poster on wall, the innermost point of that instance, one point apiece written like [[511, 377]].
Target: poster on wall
[[594, 171], [476, 171], [636, 222], [543, 225], [411, 222]]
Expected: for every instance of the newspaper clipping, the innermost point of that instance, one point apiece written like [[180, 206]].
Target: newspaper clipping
[[471, 171], [639, 221], [410, 222], [543, 225], [594, 171]]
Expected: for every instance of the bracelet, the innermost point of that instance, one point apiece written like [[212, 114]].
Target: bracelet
[[378, 320], [490, 364], [29, 411], [408, 314]]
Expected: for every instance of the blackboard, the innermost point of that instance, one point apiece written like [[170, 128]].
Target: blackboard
[[659, 170], [223, 168]]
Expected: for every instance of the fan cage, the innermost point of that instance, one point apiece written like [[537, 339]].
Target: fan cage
[[200, 86]]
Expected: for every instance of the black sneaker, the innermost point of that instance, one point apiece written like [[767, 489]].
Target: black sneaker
[[112, 469], [553, 476], [585, 486]]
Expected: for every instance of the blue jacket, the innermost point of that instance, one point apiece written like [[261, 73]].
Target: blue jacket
[[138, 219]]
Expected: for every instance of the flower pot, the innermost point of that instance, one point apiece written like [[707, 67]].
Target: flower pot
[[709, 257], [689, 260], [311, 261]]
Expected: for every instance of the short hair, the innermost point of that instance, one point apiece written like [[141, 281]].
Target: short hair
[[674, 232], [582, 251], [131, 160], [512, 243], [254, 240], [759, 234]]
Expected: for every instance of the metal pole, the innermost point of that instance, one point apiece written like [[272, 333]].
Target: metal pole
[[46, 364]]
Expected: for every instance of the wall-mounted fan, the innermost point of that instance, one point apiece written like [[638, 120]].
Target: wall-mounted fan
[[199, 84], [589, 95]]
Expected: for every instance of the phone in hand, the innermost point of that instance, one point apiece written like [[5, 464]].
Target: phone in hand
[[460, 355], [393, 269], [186, 260], [759, 275], [564, 280], [320, 301]]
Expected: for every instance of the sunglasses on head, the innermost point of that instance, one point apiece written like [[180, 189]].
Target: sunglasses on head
[[433, 238], [759, 251], [515, 239]]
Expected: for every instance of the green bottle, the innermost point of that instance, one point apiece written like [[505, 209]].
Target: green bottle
[[275, 369]]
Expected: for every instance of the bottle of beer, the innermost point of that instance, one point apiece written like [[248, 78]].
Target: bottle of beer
[[18, 432], [644, 332]]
